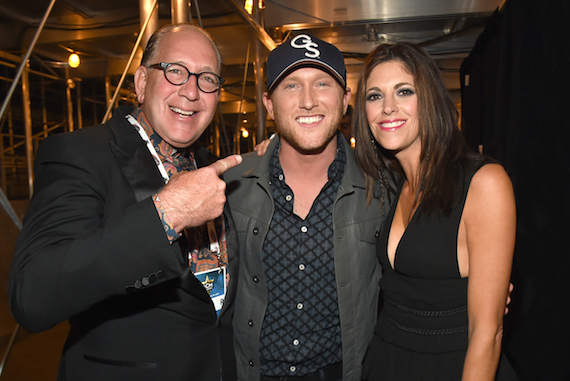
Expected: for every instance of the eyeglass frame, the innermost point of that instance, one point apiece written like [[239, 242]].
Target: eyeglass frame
[[165, 65]]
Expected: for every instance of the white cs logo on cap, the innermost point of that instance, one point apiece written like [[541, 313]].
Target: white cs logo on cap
[[305, 42]]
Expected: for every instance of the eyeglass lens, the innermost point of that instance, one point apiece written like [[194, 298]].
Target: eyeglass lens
[[178, 74]]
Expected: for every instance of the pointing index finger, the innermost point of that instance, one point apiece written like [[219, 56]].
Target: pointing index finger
[[224, 164]]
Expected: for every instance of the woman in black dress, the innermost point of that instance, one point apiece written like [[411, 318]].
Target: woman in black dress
[[448, 241]]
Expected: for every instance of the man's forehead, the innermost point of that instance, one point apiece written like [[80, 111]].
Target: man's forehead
[[177, 46], [305, 71]]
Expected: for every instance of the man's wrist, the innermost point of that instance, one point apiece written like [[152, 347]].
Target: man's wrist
[[169, 230]]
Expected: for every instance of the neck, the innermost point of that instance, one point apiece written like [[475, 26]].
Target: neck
[[306, 174], [297, 164], [410, 164]]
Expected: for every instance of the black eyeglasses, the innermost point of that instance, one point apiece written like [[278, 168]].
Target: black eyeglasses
[[178, 75]]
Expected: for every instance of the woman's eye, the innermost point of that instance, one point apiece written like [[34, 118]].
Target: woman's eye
[[406, 92], [373, 97]]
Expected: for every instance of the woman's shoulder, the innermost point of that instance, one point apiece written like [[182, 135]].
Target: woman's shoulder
[[490, 180]]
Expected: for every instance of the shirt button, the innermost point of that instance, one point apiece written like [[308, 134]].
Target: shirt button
[[299, 306], [250, 363], [304, 229], [301, 267], [255, 279], [250, 323], [292, 368], [280, 177], [255, 231], [288, 197], [295, 342]]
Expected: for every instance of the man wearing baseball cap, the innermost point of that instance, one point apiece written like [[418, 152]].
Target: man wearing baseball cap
[[306, 299]]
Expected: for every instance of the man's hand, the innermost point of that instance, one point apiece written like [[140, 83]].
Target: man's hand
[[261, 148], [193, 198], [511, 288]]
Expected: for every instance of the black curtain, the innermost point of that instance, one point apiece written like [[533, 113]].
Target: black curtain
[[516, 105]]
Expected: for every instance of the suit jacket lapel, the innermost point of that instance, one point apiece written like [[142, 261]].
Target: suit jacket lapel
[[137, 164]]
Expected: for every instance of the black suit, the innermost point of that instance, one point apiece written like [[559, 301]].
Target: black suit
[[94, 251]]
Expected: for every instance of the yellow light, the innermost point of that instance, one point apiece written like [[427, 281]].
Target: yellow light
[[352, 142], [248, 6], [74, 60], [244, 133]]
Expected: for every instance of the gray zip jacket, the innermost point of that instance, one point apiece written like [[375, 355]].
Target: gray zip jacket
[[356, 230]]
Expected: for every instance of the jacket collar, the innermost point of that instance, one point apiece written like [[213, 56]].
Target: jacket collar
[[133, 157]]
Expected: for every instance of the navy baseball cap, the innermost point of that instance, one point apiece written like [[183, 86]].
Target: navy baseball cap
[[304, 50]]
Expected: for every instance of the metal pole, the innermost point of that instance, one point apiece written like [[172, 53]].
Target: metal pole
[[14, 216], [179, 11], [237, 148], [147, 12], [108, 95], [79, 113], [28, 125], [44, 110], [259, 84], [9, 348], [25, 60], [198, 13], [7, 205], [68, 87], [130, 61], [263, 36], [3, 185]]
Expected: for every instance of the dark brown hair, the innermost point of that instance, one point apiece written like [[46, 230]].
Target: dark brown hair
[[443, 149]]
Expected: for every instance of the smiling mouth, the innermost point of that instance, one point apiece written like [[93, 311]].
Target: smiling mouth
[[182, 112], [395, 124], [309, 119]]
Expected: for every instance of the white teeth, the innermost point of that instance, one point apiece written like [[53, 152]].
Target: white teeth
[[393, 124], [182, 112], [309, 119]]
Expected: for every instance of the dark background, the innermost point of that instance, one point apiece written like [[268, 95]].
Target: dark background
[[516, 104]]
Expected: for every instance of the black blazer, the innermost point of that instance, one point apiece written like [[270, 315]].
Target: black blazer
[[93, 251]]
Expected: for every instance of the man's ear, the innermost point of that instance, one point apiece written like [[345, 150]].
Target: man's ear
[[346, 100], [268, 104], [140, 83]]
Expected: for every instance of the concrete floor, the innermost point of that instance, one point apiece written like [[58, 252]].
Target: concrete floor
[[34, 357]]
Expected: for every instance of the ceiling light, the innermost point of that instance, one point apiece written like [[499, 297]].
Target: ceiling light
[[74, 60], [248, 5]]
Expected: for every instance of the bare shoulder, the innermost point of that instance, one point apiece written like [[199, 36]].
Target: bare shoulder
[[490, 180], [490, 195]]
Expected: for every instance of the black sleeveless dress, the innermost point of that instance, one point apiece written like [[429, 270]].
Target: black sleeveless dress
[[422, 331]]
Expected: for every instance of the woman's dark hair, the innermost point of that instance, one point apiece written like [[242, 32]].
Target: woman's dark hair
[[443, 148]]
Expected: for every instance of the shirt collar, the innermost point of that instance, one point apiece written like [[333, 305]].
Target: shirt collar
[[162, 147]]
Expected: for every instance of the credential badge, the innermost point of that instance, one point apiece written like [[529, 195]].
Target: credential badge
[[305, 42]]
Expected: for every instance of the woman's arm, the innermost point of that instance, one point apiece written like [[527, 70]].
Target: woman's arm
[[489, 220]]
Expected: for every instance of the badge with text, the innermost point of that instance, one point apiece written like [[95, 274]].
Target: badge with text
[[214, 282]]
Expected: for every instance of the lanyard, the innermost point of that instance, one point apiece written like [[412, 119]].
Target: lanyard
[[212, 234]]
